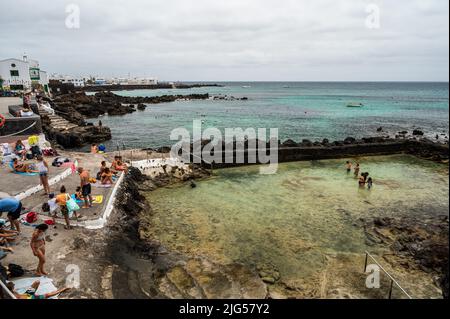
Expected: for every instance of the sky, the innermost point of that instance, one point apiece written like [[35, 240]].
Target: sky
[[232, 40]]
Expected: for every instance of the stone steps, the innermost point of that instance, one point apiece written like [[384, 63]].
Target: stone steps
[[58, 122]]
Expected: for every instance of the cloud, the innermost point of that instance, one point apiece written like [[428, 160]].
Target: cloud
[[233, 39]]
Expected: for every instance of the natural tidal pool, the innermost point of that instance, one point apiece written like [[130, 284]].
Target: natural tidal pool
[[292, 220]]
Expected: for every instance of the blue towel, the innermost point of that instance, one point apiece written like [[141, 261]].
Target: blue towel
[[21, 173]]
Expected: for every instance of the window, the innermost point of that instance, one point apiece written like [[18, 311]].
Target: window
[[14, 72], [13, 65]]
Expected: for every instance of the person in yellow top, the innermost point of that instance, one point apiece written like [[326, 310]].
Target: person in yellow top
[[61, 200]]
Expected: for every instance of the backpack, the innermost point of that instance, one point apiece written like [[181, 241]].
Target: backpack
[[15, 271], [31, 217]]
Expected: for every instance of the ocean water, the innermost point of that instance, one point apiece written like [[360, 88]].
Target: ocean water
[[296, 218], [299, 110]]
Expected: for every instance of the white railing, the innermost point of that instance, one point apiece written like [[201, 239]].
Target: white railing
[[393, 281]]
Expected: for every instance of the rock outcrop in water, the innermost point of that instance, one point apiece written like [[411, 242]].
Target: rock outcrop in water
[[79, 105]]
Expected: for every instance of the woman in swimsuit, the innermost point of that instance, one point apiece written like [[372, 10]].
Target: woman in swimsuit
[[22, 167], [38, 247], [118, 166]]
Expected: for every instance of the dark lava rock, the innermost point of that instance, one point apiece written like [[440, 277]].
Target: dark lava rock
[[349, 140], [380, 129], [141, 107], [325, 141], [307, 143], [290, 143], [421, 243], [418, 133]]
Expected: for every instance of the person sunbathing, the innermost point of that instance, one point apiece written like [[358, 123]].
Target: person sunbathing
[[31, 292], [22, 167], [107, 177], [119, 166]]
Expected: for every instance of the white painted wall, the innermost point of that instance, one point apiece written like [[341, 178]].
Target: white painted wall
[[18, 65]]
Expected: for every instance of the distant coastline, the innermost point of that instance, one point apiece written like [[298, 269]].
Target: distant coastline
[[120, 87]]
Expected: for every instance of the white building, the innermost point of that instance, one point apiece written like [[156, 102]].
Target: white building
[[15, 74], [77, 82], [143, 81], [22, 74]]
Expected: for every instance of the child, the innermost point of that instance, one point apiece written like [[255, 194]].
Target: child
[[94, 149], [370, 183], [61, 200], [79, 194]]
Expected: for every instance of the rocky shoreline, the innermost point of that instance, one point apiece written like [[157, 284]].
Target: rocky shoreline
[[416, 243], [119, 87], [77, 107]]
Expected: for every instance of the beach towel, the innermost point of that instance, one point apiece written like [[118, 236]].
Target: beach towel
[[98, 199], [21, 173], [46, 286]]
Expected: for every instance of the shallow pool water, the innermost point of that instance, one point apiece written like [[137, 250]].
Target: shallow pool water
[[293, 219]]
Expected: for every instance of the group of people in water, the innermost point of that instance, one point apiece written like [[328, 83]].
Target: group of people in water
[[363, 178]]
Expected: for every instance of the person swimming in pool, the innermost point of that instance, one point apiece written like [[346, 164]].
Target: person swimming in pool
[[362, 182]]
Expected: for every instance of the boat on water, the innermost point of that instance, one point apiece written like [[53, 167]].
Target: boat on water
[[355, 104], [246, 86]]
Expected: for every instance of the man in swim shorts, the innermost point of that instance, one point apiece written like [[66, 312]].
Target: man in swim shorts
[[85, 187]]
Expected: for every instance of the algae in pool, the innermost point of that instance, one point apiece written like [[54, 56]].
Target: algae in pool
[[293, 219]]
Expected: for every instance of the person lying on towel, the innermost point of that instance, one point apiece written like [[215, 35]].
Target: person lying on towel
[[22, 167], [31, 292]]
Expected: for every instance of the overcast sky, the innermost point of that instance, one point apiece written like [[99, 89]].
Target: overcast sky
[[219, 40]]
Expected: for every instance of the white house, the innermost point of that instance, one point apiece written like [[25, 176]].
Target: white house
[[143, 81], [15, 74], [77, 82], [22, 74]]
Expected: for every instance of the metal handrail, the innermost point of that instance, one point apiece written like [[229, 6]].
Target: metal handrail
[[8, 292], [393, 281]]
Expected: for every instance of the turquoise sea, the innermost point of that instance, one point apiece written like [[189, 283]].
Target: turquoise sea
[[300, 110]]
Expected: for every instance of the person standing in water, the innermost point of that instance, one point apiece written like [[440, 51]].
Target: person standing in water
[[370, 183], [362, 182], [357, 168], [349, 167]]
